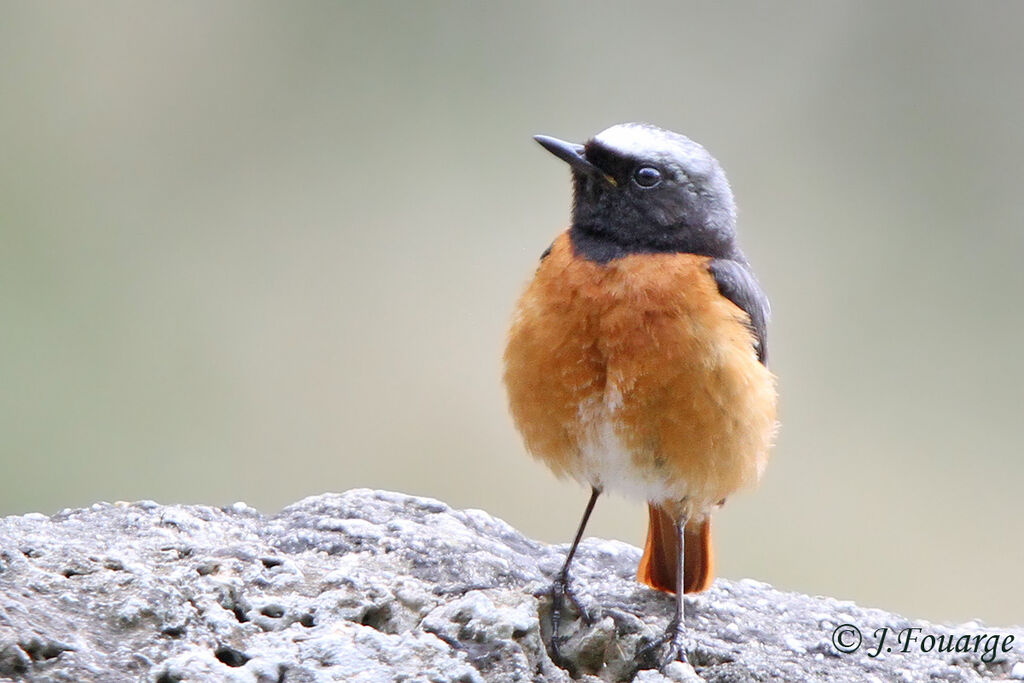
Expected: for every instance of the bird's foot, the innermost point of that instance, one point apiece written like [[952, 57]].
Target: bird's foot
[[675, 637], [560, 591], [562, 595]]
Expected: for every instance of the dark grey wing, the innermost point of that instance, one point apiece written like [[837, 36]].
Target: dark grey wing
[[737, 284]]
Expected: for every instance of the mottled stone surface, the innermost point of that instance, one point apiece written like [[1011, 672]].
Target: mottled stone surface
[[373, 586]]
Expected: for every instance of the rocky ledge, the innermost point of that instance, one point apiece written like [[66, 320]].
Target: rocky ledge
[[371, 586]]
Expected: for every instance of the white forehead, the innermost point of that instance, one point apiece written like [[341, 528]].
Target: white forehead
[[643, 141]]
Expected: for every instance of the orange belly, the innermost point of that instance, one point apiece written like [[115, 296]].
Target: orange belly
[[638, 376]]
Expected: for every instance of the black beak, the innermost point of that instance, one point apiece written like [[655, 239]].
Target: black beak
[[573, 155]]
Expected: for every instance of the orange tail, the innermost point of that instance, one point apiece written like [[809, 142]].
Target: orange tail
[[661, 554]]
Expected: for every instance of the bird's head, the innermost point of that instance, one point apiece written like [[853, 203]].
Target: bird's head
[[641, 189]]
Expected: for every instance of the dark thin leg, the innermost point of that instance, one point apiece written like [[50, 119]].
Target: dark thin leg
[[594, 493], [677, 627], [675, 634], [560, 589]]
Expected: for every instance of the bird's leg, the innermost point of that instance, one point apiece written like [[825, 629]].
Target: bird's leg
[[561, 589], [675, 634]]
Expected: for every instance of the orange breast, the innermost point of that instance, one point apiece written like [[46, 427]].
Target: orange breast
[[639, 376]]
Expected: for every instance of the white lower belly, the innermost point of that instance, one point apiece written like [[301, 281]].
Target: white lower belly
[[607, 464]]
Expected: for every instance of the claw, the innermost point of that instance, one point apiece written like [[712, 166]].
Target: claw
[[675, 636], [559, 591]]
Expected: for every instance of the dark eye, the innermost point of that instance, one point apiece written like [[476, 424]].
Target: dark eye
[[647, 176]]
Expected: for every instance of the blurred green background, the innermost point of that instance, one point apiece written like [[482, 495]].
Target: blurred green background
[[261, 251]]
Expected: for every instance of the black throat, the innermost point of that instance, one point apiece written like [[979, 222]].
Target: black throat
[[602, 247]]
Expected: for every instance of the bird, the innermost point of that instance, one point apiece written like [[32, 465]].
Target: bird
[[636, 360]]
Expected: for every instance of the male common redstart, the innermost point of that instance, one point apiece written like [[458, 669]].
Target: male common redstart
[[636, 357]]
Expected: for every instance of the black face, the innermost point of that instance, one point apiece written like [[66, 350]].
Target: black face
[[662, 194]]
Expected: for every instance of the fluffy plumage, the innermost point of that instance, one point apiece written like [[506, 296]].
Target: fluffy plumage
[[636, 358], [638, 376]]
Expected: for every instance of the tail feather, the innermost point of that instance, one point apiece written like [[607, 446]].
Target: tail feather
[[658, 566]]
